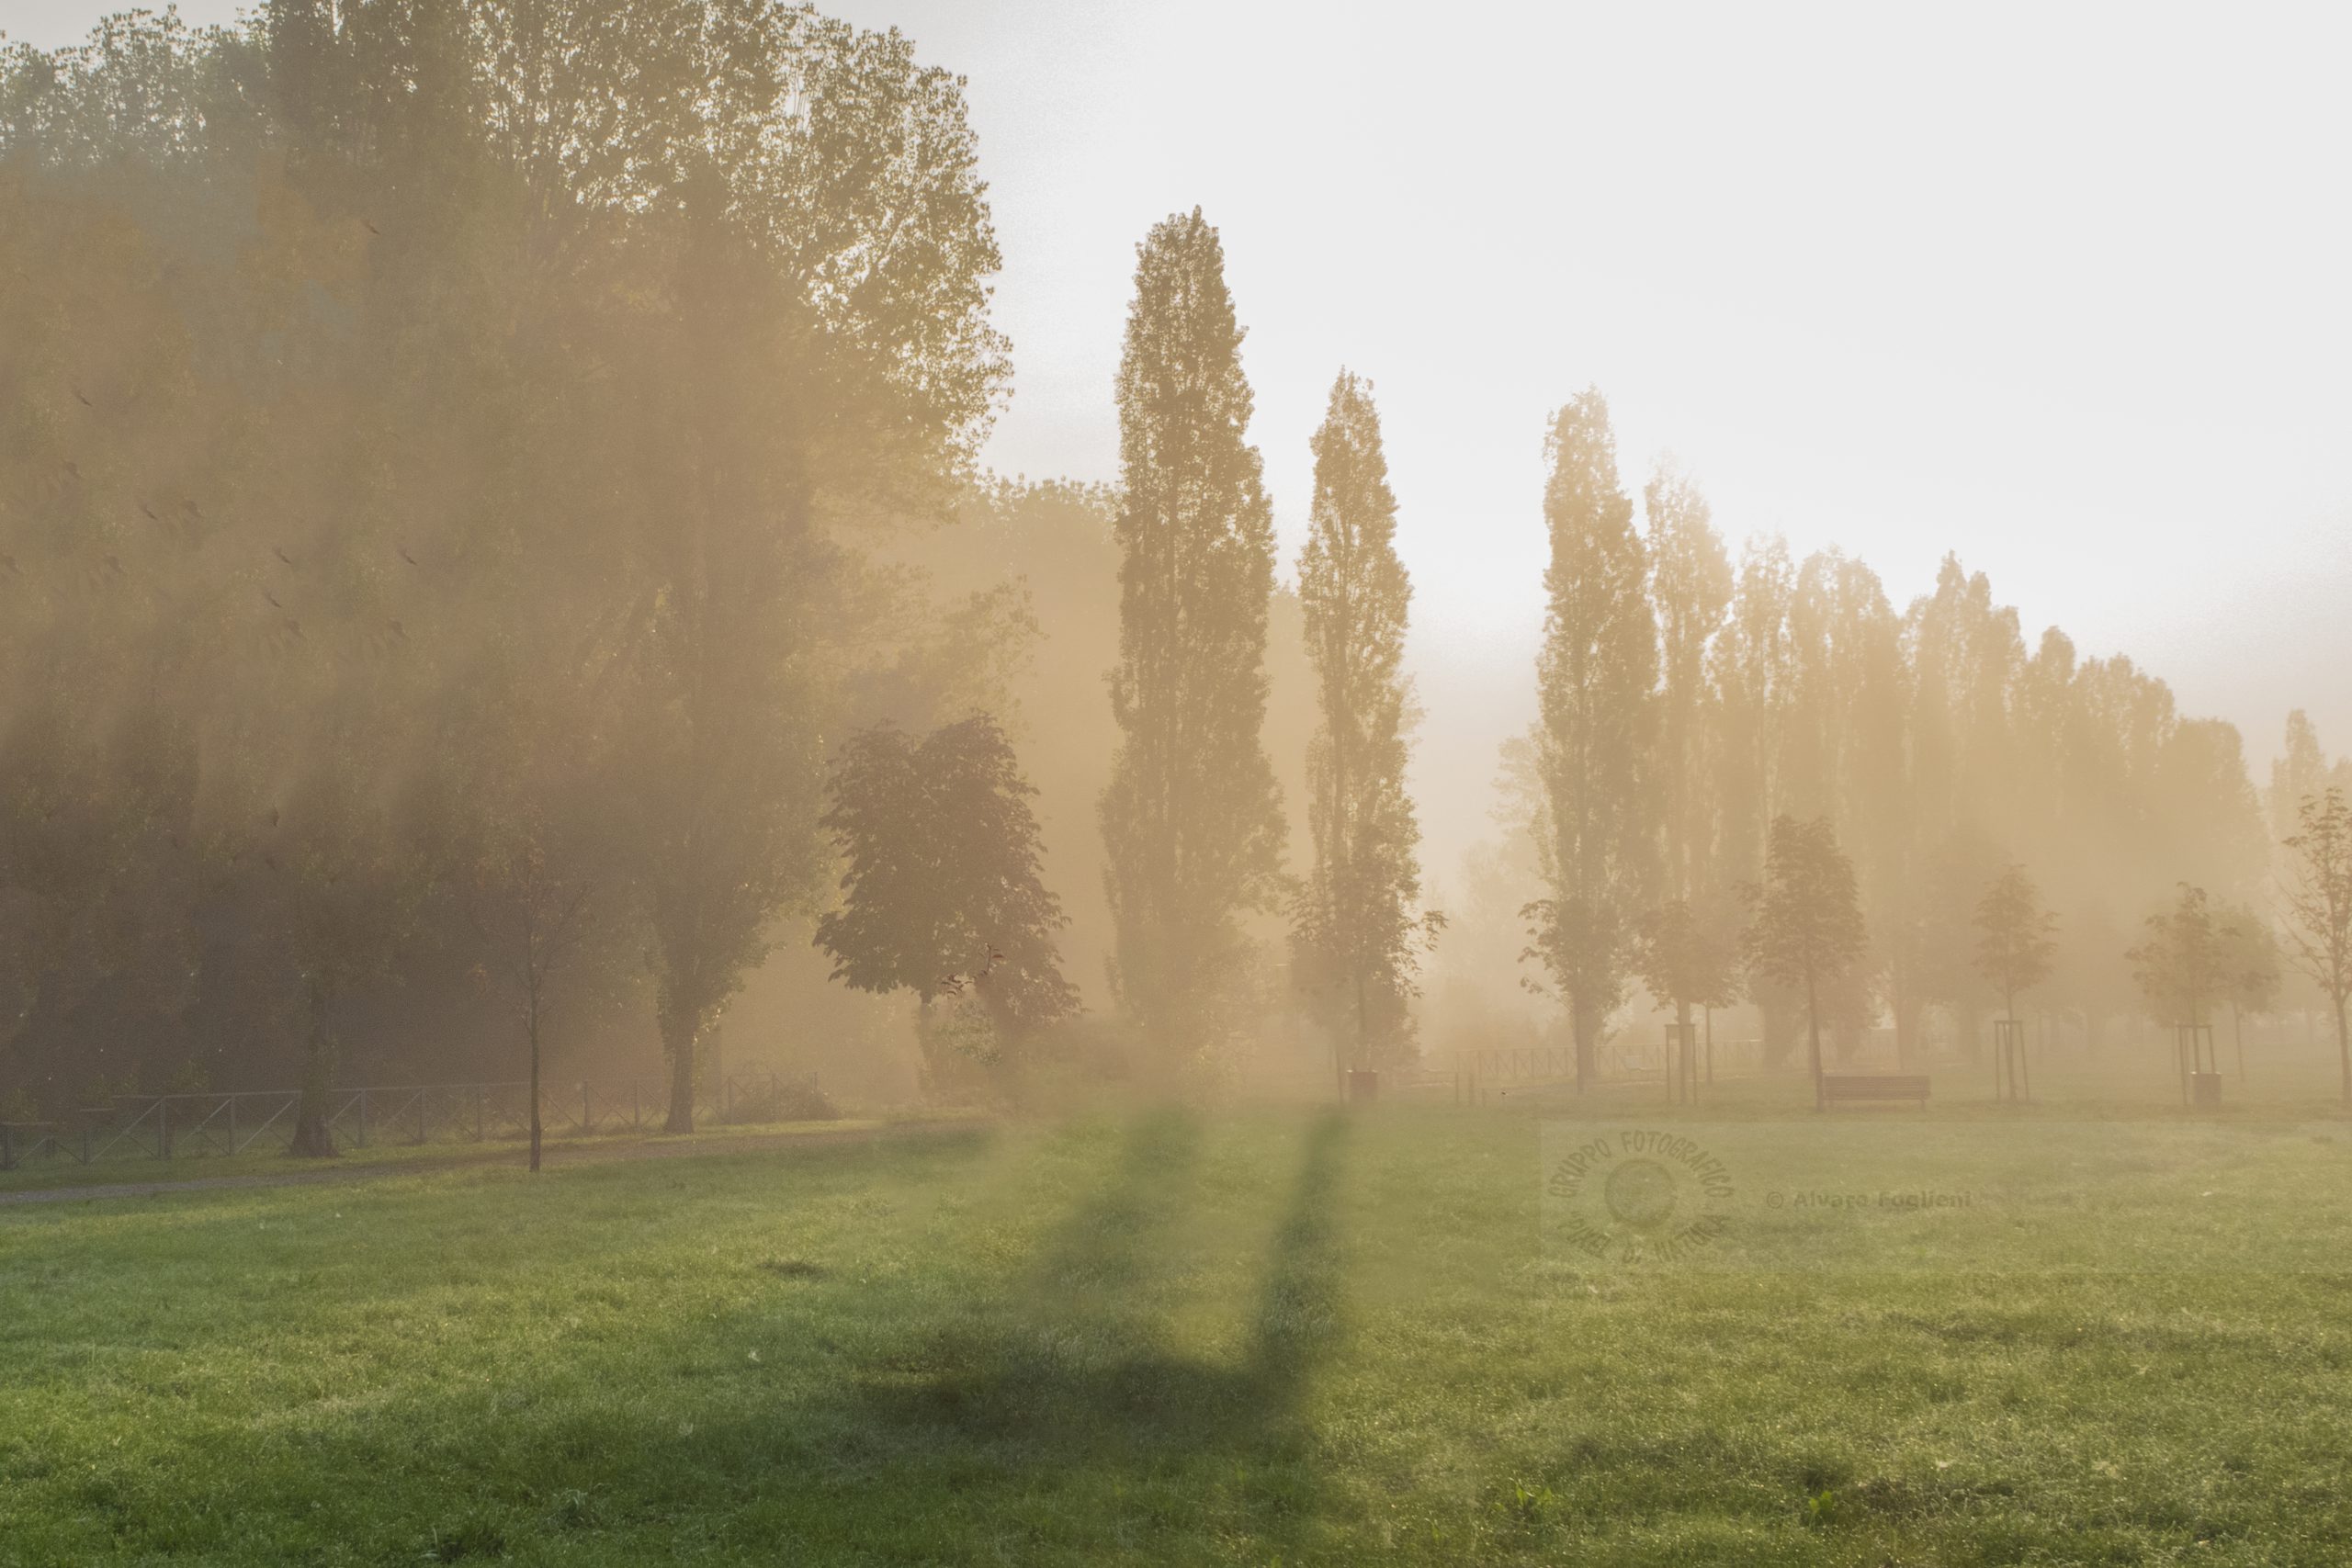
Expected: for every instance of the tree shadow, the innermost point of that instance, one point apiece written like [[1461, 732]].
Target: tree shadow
[[1046, 1411], [1073, 1372]]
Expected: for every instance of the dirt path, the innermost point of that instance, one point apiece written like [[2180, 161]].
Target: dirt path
[[550, 1155]]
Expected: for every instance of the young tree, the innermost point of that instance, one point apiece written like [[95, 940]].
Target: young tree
[[1688, 957], [2319, 909], [1808, 929], [2248, 954], [1594, 685], [2177, 964], [1191, 820], [2017, 937], [1355, 916], [939, 880], [530, 900]]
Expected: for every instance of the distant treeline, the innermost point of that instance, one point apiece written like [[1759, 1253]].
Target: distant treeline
[[467, 472]]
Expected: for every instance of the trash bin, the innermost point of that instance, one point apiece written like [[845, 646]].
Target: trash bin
[[1363, 1086]]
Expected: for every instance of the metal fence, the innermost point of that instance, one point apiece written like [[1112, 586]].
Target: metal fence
[[182, 1126]]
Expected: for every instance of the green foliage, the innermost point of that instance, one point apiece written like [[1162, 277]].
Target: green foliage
[[1191, 820], [1690, 587], [2319, 909], [2017, 942], [394, 389], [942, 894], [1595, 680], [1356, 928], [2177, 964], [1808, 933]]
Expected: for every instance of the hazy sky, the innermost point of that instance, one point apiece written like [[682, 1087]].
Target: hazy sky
[[2066, 289]]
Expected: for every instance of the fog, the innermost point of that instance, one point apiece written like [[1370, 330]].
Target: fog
[[504, 562]]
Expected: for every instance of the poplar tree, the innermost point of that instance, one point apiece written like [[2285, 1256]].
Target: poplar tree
[[1192, 820], [1356, 920], [1594, 684], [1691, 591]]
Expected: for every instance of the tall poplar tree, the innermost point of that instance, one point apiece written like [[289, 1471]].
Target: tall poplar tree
[[1356, 920], [1191, 820], [1691, 590], [1594, 684]]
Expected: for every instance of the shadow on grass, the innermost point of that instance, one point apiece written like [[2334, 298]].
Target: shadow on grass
[[1073, 1373], [1047, 1411]]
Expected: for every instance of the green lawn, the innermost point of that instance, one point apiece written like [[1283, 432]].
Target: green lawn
[[1248, 1336]]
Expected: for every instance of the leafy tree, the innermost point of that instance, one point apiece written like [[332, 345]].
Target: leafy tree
[[941, 883], [2250, 980], [531, 903], [1688, 956], [1690, 587], [2177, 963], [1356, 922], [2016, 943], [2318, 899], [1808, 929], [1191, 821], [1594, 684]]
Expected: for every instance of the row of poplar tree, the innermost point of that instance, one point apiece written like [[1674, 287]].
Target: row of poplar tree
[[1757, 781], [454, 459]]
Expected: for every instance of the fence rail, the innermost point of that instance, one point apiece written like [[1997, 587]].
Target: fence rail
[[184, 1126]]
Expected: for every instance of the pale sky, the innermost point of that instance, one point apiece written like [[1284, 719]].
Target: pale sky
[[2067, 289]]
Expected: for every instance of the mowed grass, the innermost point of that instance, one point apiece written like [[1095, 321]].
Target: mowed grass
[[1163, 1334]]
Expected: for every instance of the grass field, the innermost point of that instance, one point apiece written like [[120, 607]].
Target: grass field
[[1248, 1336]]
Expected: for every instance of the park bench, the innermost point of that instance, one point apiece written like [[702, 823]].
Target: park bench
[[1859, 1087]]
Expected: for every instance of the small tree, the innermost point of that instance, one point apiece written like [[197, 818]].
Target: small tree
[[2177, 964], [2177, 969], [531, 904], [2017, 937], [942, 894], [1687, 959], [2319, 910], [1808, 929], [2250, 980]]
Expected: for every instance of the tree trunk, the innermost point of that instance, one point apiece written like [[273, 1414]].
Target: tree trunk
[[678, 1035], [1685, 1067], [2344, 1048], [1813, 1032], [1586, 1029], [312, 1140], [535, 1082]]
